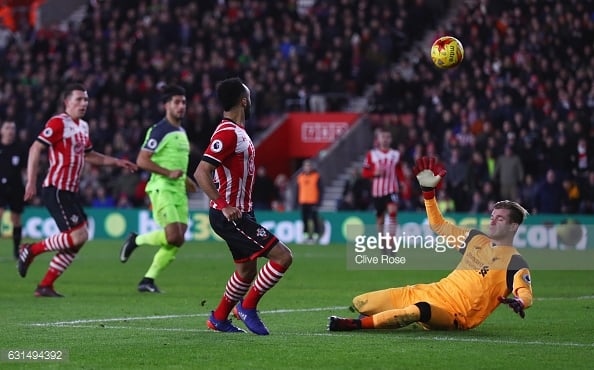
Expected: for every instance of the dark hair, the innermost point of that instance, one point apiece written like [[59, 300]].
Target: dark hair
[[229, 92], [517, 213], [170, 91], [72, 87]]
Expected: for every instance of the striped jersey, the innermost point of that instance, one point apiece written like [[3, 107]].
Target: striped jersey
[[387, 163], [68, 141], [231, 150]]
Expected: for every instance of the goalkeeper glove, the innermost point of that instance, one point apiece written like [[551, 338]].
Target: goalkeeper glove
[[515, 304], [428, 173]]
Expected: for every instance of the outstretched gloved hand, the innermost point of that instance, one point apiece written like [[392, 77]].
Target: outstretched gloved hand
[[429, 173]]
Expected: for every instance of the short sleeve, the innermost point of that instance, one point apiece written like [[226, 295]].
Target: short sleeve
[[222, 145], [52, 132]]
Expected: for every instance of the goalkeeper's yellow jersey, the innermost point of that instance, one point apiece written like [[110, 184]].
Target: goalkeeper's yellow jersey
[[484, 273]]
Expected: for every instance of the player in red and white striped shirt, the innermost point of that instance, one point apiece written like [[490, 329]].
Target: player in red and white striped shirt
[[382, 167], [229, 160], [67, 138], [232, 149]]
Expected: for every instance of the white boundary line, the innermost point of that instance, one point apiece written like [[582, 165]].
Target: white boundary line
[[160, 317], [343, 334], [580, 298], [87, 324]]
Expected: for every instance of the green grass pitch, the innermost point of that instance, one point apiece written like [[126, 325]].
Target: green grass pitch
[[103, 323]]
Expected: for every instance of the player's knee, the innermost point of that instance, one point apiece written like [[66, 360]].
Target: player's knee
[[283, 255], [392, 210], [175, 239], [359, 303], [425, 309], [248, 274], [79, 237]]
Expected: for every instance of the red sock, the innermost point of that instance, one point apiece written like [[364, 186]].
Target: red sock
[[58, 242], [234, 291], [51, 276], [367, 322], [38, 248], [268, 276], [58, 265]]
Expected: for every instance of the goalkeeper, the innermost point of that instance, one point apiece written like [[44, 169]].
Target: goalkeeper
[[490, 270]]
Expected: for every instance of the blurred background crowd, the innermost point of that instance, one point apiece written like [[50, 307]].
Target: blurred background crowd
[[515, 120]]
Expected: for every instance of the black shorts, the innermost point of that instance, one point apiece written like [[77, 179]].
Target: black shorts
[[381, 203], [64, 207], [12, 198], [247, 240]]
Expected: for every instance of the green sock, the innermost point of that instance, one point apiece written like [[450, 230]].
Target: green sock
[[164, 256], [156, 238]]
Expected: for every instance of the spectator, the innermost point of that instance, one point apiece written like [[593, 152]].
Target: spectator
[[509, 173], [572, 196], [456, 181], [551, 196], [356, 194], [102, 199], [282, 194], [310, 190], [498, 93], [478, 204], [263, 190], [587, 192], [478, 173], [529, 191], [582, 158]]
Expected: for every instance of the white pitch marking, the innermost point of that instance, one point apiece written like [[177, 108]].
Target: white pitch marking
[[343, 334], [583, 297], [160, 317]]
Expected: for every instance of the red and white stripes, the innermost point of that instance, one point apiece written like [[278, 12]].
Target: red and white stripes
[[58, 242], [268, 277], [236, 288], [61, 261]]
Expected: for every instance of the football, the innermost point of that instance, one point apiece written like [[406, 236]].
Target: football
[[447, 52]]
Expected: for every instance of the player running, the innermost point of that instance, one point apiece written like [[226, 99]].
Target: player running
[[165, 154], [66, 137]]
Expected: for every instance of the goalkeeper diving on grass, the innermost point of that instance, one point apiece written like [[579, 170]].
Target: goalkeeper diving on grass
[[491, 272]]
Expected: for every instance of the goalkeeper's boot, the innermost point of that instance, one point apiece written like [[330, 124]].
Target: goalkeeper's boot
[[25, 259], [250, 318], [47, 291], [222, 325], [336, 323], [128, 247]]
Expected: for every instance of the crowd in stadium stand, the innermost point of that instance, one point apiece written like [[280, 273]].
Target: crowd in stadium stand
[[519, 108], [515, 120]]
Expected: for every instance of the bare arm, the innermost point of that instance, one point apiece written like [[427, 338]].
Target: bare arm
[[145, 162], [191, 186], [32, 169], [99, 159], [203, 176]]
